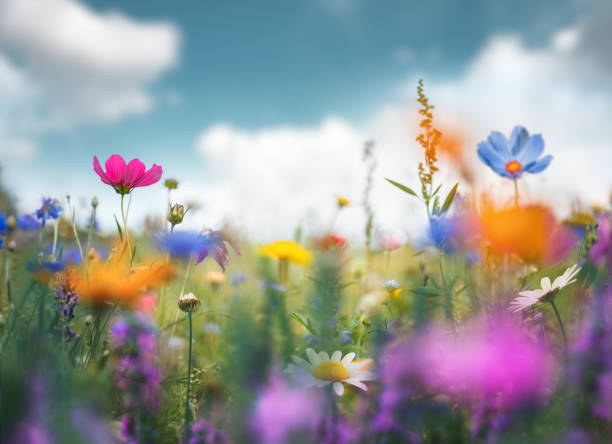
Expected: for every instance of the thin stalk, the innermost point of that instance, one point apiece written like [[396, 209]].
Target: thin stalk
[[55, 233], [90, 230], [187, 415], [516, 194], [127, 235], [181, 293], [7, 277], [74, 230], [554, 306]]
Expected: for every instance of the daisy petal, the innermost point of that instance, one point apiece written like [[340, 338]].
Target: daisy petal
[[336, 356], [348, 358], [312, 357], [338, 388], [357, 383]]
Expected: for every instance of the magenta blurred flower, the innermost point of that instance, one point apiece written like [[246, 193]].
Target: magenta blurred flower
[[281, 411], [494, 363], [124, 178], [601, 247]]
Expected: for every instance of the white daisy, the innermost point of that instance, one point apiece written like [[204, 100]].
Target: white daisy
[[548, 290], [321, 370]]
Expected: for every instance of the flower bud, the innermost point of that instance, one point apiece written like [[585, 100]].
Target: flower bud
[[94, 202], [11, 223], [12, 246], [176, 213], [171, 184], [188, 302]]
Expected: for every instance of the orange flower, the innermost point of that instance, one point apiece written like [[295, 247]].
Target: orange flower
[[114, 281], [531, 232]]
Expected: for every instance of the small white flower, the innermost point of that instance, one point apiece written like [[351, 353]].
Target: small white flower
[[321, 370], [532, 297]]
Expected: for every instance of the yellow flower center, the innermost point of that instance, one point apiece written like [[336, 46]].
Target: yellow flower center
[[513, 167], [331, 371]]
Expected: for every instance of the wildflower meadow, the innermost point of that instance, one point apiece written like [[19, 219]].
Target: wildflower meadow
[[494, 325]]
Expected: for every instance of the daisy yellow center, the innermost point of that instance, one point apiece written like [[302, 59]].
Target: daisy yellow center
[[513, 167], [331, 371]]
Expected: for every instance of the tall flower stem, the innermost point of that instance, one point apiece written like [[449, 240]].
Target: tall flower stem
[[554, 306], [187, 416], [127, 235], [516, 194]]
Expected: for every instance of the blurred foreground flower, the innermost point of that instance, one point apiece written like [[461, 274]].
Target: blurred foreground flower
[[321, 370], [281, 412], [511, 158], [531, 232], [124, 178], [601, 249], [136, 376]]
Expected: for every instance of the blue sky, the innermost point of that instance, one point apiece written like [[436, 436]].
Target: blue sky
[[253, 69]]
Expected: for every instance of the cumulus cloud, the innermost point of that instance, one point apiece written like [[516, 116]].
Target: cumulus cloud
[[276, 177], [66, 64]]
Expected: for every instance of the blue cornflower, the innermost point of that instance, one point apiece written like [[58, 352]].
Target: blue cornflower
[[3, 226], [28, 222], [214, 245], [181, 244], [442, 232], [49, 209], [514, 157]]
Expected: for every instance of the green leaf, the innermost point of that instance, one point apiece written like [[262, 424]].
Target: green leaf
[[119, 228], [449, 198], [304, 321], [426, 291], [436, 191], [404, 188]]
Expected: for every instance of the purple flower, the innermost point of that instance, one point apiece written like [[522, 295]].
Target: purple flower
[[601, 248], [203, 432], [49, 209], [214, 245], [281, 411], [511, 158]]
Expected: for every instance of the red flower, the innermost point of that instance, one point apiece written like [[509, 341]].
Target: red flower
[[124, 178], [332, 242]]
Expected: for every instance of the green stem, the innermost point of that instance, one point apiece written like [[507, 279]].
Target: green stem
[[187, 416], [127, 235], [90, 231], [74, 230], [55, 233], [516, 194], [554, 306]]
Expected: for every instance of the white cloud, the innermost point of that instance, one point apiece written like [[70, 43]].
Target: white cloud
[[22, 149], [82, 65], [273, 178]]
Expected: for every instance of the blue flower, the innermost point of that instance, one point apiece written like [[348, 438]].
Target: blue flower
[[28, 222], [49, 209], [514, 157], [214, 245], [442, 233], [3, 223], [181, 244]]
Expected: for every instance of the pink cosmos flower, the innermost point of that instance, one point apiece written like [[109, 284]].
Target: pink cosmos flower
[[389, 239], [124, 178]]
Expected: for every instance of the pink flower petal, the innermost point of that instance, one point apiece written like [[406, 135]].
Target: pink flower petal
[[99, 171], [150, 177], [115, 165], [133, 173]]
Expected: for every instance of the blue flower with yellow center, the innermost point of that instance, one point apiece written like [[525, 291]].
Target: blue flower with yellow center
[[511, 158]]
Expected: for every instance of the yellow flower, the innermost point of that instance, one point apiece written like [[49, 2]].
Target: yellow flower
[[287, 250], [342, 201], [215, 278]]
